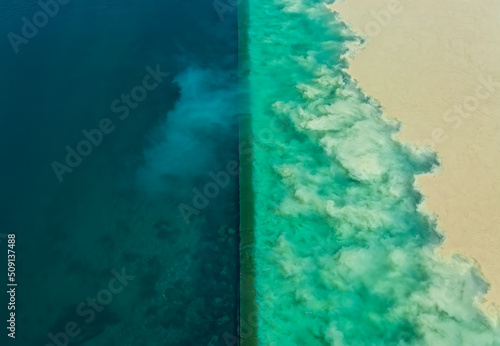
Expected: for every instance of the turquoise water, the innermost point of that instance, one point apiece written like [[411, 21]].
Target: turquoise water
[[343, 255]]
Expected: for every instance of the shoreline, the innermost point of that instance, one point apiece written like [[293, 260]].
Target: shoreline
[[432, 66]]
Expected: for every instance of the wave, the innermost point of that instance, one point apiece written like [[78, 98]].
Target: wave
[[343, 253]]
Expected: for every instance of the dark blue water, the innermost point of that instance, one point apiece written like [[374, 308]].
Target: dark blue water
[[125, 208]]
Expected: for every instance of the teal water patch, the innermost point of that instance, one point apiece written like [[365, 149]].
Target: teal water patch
[[343, 254], [103, 255]]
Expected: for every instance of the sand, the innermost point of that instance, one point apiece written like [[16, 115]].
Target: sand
[[435, 66]]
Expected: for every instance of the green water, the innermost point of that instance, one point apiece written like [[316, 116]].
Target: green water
[[342, 253]]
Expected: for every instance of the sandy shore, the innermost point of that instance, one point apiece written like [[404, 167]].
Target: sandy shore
[[435, 66]]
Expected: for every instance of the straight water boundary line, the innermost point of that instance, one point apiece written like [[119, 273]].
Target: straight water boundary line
[[248, 307]]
